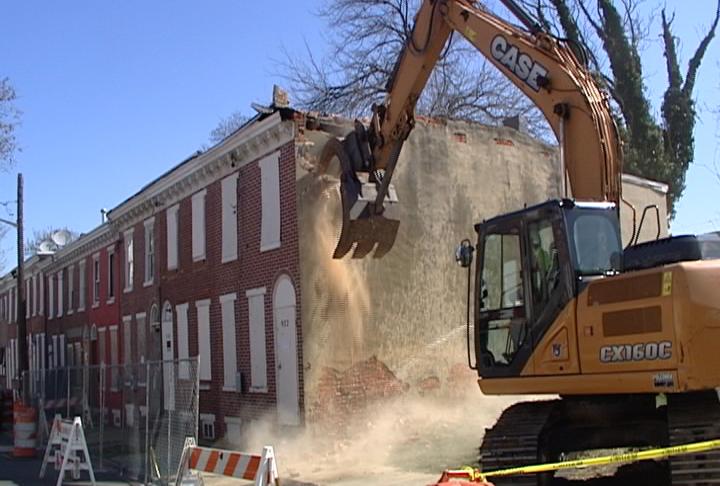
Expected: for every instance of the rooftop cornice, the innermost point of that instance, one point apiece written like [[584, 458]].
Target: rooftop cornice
[[243, 147]]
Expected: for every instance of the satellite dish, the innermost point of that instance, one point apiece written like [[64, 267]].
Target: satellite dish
[[61, 237], [46, 247]]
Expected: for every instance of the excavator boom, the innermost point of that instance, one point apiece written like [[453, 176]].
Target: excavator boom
[[543, 67]]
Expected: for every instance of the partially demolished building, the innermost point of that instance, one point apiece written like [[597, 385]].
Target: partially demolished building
[[227, 256]]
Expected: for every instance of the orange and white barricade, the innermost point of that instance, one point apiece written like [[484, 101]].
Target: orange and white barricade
[[261, 469]]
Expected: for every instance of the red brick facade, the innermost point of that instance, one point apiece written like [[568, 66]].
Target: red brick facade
[[191, 281]]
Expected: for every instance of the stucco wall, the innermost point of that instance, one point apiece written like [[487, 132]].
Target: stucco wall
[[408, 308]]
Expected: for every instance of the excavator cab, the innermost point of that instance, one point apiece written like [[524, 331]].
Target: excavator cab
[[531, 264]]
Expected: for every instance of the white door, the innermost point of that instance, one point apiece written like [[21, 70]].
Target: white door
[[286, 352], [168, 354]]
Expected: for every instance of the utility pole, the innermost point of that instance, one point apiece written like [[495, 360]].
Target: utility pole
[[23, 365]]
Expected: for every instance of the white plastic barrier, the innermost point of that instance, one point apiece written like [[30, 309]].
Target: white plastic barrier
[[67, 450]]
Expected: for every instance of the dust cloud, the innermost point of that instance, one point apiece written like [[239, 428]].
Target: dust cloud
[[410, 435]]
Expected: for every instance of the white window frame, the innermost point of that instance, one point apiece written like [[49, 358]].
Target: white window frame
[[183, 341], [207, 421], [149, 260], [257, 331], [60, 294], [96, 279], [227, 305], [51, 296], [172, 219], [114, 356], [270, 197], [36, 306], [199, 236], [202, 308], [71, 289], [229, 218], [129, 263], [111, 277], [127, 341], [82, 284]]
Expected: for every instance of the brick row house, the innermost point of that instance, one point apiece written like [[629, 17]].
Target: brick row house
[[202, 261]]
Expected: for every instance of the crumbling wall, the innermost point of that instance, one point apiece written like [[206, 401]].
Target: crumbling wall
[[374, 327]]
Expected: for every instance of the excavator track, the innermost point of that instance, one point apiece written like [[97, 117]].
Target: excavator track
[[513, 440], [692, 418]]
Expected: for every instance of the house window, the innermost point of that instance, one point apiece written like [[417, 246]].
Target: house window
[[71, 289], [149, 251], [96, 279], [258, 358], [203, 320], [82, 288], [129, 260], [61, 350], [227, 305], [111, 274], [198, 226], [270, 187], [172, 237], [60, 294], [27, 297], [229, 218], [182, 340], [127, 344], [114, 351], [35, 280], [51, 297], [208, 425]]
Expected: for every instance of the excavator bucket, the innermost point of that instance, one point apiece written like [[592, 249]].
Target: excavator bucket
[[363, 230]]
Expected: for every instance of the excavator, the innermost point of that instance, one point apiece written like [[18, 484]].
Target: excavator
[[627, 339]]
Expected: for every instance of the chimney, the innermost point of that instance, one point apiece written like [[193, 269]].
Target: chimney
[[103, 215]]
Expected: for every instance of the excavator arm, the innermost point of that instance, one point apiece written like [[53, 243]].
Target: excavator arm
[[543, 67]]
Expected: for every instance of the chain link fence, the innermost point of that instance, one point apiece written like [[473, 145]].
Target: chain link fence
[[136, 417]]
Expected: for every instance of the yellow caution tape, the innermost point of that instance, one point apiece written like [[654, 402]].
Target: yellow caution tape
[[597, 461]]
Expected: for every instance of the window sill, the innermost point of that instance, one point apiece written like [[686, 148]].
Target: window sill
[[111, 300], [80, 309], [229, 389], [200, 258], [170, 269], [227, 259], [96, 305], [204, 386], [258, 389], [127, 290], [147, 283], [70, 312], [270, 246]]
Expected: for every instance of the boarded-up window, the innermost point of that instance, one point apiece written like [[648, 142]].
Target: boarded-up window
[[229, 218], [114, 352], [127, 340], [198, 225], [51, 297], [203, 316], [172, 237], [182, 340], [258, 358], [227, 305], [81, 284], [270, 186], [60, 294]]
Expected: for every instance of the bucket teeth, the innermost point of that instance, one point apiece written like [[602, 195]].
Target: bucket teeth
[[368, 233]]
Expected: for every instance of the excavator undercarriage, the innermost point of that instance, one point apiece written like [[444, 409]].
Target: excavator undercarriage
[[574, 426]]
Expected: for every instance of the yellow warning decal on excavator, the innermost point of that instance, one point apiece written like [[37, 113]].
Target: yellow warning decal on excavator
[[625, 457], [667, 284]]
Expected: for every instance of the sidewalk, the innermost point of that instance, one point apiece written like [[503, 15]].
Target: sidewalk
[[24, 472]]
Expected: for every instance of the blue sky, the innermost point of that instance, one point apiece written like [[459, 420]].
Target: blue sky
[[112, 94]]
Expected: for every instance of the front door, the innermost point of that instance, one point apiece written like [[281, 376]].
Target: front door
[[286, 352], [504, 338]]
